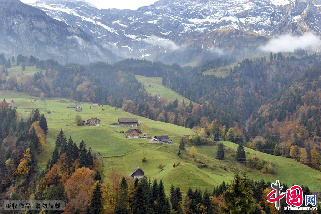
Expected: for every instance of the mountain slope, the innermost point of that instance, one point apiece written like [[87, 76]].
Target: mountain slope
[[173, 26], [29, 31]]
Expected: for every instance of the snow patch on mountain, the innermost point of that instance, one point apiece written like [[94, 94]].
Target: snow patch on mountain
[[280, 2]]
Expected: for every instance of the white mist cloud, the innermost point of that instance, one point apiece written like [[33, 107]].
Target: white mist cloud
[[165, 43], [289, 43], [217, 50]]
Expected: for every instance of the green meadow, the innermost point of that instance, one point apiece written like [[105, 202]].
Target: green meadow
[[159, 88], [124, 155], [29, 70]]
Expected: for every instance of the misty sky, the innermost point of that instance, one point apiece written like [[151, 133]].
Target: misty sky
[[120, 4]]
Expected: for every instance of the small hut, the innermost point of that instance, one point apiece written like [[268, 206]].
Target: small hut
[[137, 173]]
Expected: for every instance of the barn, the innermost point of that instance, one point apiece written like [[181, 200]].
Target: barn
[[127, 122]]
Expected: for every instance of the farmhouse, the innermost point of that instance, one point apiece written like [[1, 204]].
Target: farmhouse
[[72, 106], [137, 173], [125, 122], [95, 105], [93, 122], [132, 133], [78, 109], [162, 139]]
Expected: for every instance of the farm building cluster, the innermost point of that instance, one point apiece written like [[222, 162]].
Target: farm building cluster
[[77, 108], [90, 122]]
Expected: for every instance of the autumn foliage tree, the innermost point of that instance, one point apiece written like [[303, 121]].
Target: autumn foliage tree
[[79, 188]]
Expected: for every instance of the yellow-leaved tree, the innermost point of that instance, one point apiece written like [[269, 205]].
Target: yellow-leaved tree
[[25, 163], [193, 152]]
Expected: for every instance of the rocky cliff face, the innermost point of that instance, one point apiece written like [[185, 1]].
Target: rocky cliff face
[[30, 31]]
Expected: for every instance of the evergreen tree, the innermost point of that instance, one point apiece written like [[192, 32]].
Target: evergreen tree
[[182, 145], [122, 206], [43, 124], [57, 192], [239, 196], [154, 194], [82, 154], [220, 151], [231, 135], [216, 130], [33, 138], [207, 203], [55, 156], [162, 205], [179, 152], [142, 198], [240, 154], [36, 115], [175, 199], [61, 140], [96, 205]]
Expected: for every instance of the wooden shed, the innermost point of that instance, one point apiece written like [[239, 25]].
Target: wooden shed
[[137, 173], [127, 122]]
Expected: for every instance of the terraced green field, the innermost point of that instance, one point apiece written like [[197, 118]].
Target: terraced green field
[[159, 88], [124, 155]]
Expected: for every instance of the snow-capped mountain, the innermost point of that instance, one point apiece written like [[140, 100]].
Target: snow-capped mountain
[[29, 31], [190, 27]]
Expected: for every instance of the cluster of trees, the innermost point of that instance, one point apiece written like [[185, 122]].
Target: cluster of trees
[[143, 196], [290, 124], [20, 142]]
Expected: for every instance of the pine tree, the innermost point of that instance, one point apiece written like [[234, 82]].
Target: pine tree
[[240, 154], [57, 192], [122, 206], [231, 135], [142, 198], [162, 205], [239, 196], [43, 124], [175, 199], [216, 130], [54, 158], [82, 154], [220, 151], [96, 205], [33, 138], [36, 115], [207, 203], [182, 144], [61, 140], [154, 194]]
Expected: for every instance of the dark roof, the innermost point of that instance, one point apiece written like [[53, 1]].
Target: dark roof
[[163, 138], [132, 130], [72, 106], [127, 120], [137, 170]]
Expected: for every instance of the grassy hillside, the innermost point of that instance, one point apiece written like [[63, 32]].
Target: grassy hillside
[[159, 88], [124, 155], [29, 70]]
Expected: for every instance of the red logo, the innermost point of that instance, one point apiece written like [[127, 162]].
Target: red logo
[[294, 195]]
